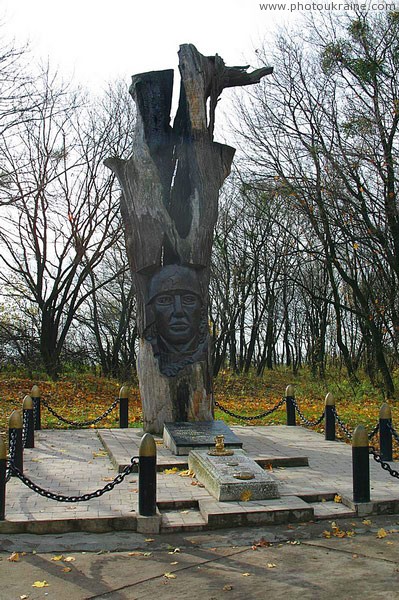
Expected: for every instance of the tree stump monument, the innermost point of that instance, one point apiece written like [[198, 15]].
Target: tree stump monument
[[170, 188]]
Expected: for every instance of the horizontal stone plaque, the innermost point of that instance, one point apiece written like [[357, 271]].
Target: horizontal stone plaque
[[183, 437], [221, 476]]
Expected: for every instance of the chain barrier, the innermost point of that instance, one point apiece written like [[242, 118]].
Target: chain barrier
[[11, 453], [84, 497], [374, 431], [386, 466], [393, 431], [24, 428], [253, 417], [304, 419], [80, 423], [342, 425]]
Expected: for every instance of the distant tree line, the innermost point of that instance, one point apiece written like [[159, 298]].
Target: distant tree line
[[306, 253]]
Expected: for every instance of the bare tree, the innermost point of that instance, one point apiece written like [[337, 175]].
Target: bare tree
[[64, 214]]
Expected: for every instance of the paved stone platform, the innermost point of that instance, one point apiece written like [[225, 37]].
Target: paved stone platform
[[76, 462]]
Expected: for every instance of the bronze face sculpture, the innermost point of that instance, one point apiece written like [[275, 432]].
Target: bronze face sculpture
[[177, 317]]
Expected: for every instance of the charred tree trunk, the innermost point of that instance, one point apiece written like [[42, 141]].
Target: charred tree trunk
[[170, 188]]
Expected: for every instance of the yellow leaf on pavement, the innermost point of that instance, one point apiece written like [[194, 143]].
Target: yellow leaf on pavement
[[246, 574], [271, 565], [227, 587], [69, 559], [14, 557], [40, 584], [171, 471], [381, 533], [169, 575], [337, 498], [59, 557], [66, 569]]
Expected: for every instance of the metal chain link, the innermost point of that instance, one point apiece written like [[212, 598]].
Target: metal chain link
[[84, 497], [342, 425], [374, 431], [303, 418], [80, 423], [386, 466], [11, 453], [253, 417], [24, 428], [393, 431]]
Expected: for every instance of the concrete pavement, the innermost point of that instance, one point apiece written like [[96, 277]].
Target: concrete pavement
[[294, 561]]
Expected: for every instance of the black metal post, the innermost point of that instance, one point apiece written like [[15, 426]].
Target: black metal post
[[124, 407], [290, 406], [35, 395], [329, 417], [27, 409], [385, 432], [15, 428], [147, 476], [360, 465], [3, 471]]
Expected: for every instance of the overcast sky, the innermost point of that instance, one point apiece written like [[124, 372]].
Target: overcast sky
[[98, 41]]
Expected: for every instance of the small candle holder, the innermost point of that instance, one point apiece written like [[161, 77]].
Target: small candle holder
[[219, 449]]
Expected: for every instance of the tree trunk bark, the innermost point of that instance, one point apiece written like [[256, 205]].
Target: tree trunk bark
[[170, 188]]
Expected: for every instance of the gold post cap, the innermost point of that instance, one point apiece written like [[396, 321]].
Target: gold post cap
[[3, 448], [330, 400], [27, 403], [385, 411], [15, 420], [289, 391], [35, 392], [360, 438], [147, 446], [124, 392]]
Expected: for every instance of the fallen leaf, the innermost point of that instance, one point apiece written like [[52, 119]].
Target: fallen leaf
[[107, 479], [147, 553], [14, 557], [227, 588], [175, 562], [149, 540], [159, 442], [262, 543], [326, 534], [170, 471], [184, 512], [271, 565], [338, 499], [175, 551], [246, 574], [24, 597], [169, 575], [136, 553], [66, 569], [366, 522], [69, 559], [58, 557], [40, 584], [381, 533], [187, 473], [246, 496]]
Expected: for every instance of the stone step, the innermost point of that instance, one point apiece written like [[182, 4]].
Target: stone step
[[174, 521], [288, 509], [331, 510]]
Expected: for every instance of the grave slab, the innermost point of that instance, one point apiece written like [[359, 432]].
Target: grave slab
[[182, 437], [219, 475]]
